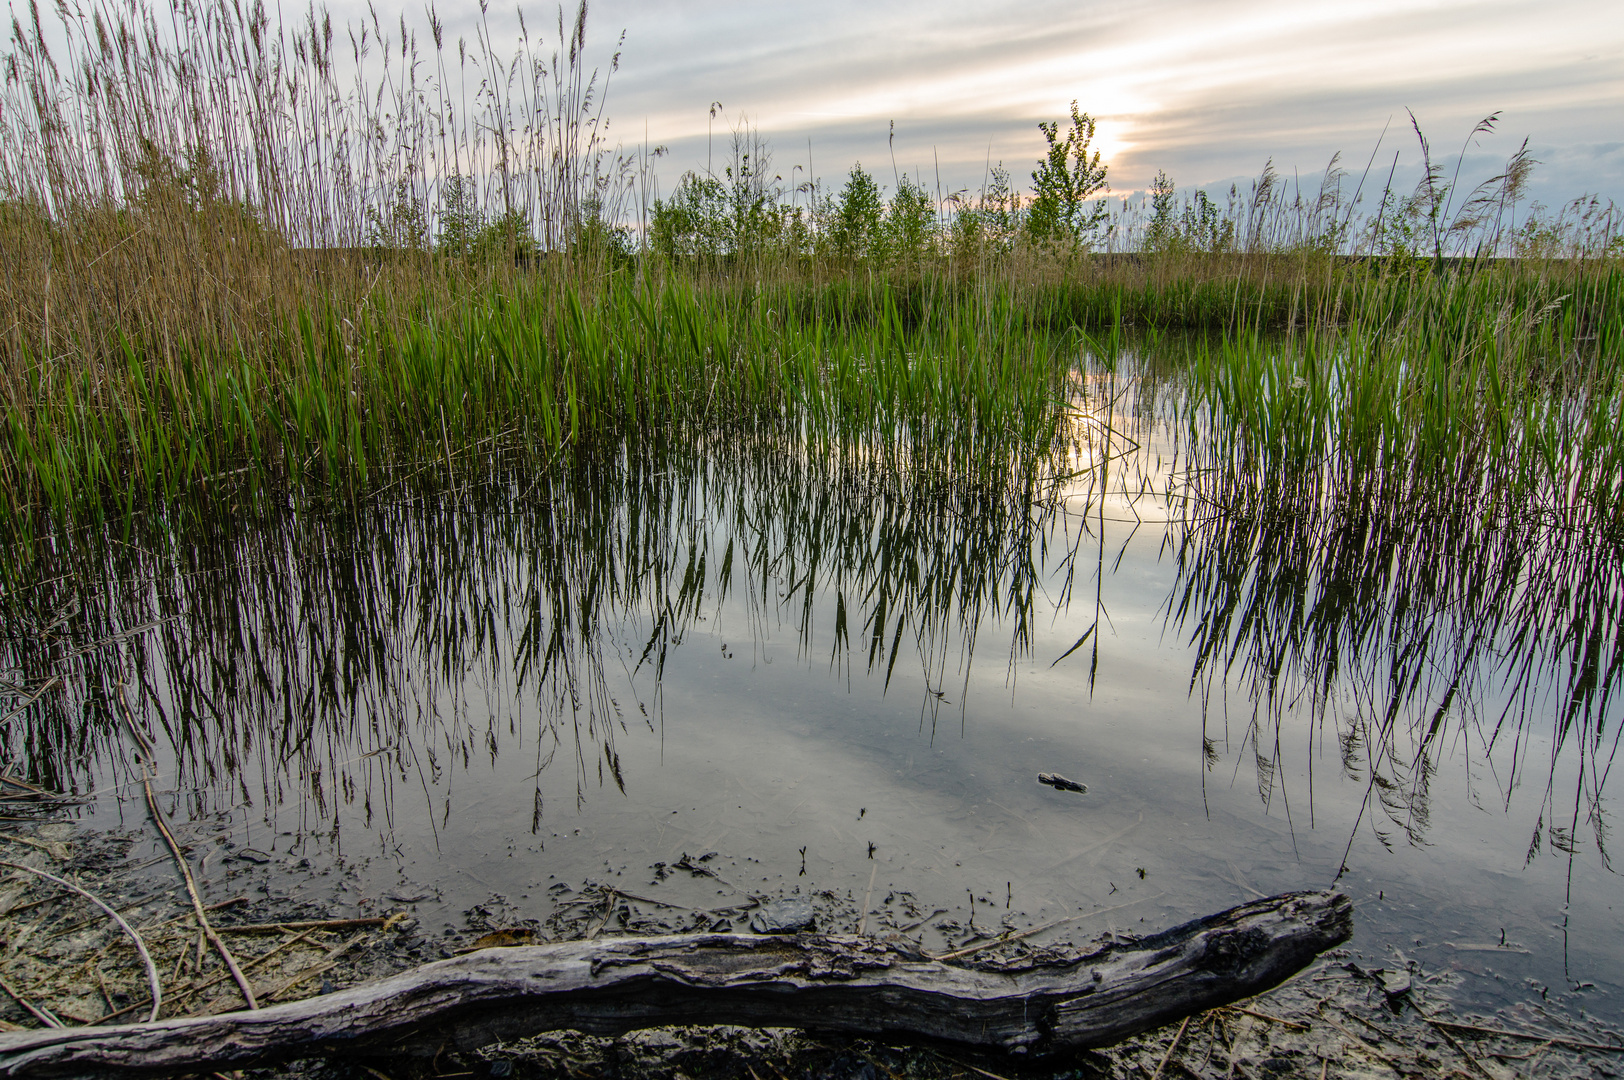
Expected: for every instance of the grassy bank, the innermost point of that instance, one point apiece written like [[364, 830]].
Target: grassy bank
[[1490, 372], [350, 403]]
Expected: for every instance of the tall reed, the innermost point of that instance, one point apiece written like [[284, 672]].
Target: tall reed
[[196, 174]]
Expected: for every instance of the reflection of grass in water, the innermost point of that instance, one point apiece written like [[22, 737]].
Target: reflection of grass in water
[[333, 653], [1392, 526]]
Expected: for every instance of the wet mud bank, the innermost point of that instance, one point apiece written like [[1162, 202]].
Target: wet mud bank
[[297, 928]]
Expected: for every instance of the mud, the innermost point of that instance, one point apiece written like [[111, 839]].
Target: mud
[[296, 928]]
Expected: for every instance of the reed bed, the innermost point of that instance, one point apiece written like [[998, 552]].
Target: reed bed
[[539, 370], [248, 258]]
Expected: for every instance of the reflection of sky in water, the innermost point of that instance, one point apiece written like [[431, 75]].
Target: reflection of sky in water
[[389, 689]]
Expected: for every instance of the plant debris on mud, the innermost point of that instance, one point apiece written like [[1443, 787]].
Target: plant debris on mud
[[64, 962]]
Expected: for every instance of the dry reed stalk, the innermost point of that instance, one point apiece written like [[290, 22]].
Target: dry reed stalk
[[140, 945]]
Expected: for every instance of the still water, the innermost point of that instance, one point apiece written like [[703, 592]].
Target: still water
[[841, 672]]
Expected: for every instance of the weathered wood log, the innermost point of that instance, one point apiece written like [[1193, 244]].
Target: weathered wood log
[[1049, 1005]]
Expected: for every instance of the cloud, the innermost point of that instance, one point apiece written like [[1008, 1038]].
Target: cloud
[[1203, 89]]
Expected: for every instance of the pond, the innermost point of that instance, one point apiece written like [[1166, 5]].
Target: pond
[[699, 668]]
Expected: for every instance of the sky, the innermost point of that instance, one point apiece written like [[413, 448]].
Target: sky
[[1207, 90]]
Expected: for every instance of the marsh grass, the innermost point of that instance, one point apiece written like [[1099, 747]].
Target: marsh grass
[[1413, 541], [244, 259], [1399, 610], [541, 369]]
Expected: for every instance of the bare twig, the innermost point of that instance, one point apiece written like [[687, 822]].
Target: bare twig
[[1471, 1058], [1171, 1050], [1531, 1036], [967, 1065], [320, 969], [310, 924], [140, 946], [120, 636], [1361, 1045], [203, 924], [40, 1012], [193, 991], [862, 927], [35, 696], [55, 849], [1271, 1019], [1004, 939]]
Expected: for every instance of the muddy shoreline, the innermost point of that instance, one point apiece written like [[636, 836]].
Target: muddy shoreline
[[297, 928]]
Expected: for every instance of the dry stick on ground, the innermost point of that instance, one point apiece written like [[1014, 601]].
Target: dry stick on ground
[[1471, 1058], [330, 962], [1004, 939], [648, 900], [193, 991], [203, 923], [1294, 1025], [311, 924], [143, 901], [1360, 1045], [54, 848], [140, 946], [862, 927], [1232, 1041], [1171, 1050], [41, 1013], [1531, 1036], [967, 1065]]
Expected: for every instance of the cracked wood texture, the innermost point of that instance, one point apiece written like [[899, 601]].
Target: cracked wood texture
[[881, 989]]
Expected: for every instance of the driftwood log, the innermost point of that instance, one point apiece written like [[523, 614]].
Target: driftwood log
[[884, 989]]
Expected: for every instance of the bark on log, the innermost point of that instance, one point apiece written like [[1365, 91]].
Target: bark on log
[[827, 983]]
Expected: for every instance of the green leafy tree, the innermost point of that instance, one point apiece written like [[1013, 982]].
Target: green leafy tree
[[910, 224], [1068, 174], [731, 217], [858, 216], [197, 184], [506, 236], [753, 192], [401, 225], [596, 238], [1163, 224], [459, 216], [1203, 227], [1397, 232], [693, 222]]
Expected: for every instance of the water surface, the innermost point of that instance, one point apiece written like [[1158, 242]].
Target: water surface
[[841, 671]]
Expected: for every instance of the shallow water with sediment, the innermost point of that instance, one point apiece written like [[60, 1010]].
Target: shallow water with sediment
[[652, 685]]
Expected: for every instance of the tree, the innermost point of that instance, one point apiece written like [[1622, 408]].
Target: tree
[[693, 222], [1163, 226], [459, 216], [858, 217], [505, 236], [1067, 175], [910, 223], [401, 225]]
